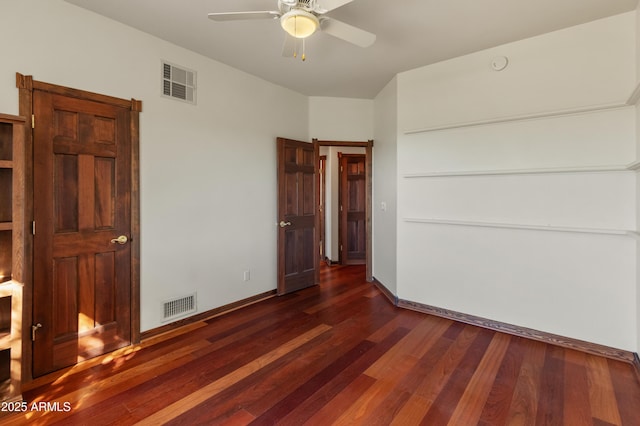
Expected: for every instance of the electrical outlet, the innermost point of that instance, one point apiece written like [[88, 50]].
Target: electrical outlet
[[246, 276]]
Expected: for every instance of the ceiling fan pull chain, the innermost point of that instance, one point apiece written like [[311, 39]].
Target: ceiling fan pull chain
[[303, 48]]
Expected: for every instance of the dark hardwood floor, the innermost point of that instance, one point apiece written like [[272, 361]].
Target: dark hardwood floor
[[339, 353]]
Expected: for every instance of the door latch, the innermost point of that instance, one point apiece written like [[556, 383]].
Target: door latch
[[35, 328]]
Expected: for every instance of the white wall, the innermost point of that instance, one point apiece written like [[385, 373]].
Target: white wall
[[208, 180], [385, 183], [340, 119], [556, 71], [576, 284]]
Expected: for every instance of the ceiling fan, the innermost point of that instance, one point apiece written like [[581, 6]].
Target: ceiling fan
[[302, 18]]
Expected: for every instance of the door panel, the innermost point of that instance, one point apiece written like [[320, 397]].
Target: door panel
[[297, 259], [82, 196], [353, 231]]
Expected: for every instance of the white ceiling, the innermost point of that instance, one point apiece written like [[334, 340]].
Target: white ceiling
[[410, 34]]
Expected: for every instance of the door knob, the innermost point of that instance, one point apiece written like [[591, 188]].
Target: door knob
[[122, 239], [283, 224]]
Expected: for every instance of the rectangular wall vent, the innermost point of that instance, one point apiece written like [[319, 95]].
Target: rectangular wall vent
[[178, 82], [179, 307]]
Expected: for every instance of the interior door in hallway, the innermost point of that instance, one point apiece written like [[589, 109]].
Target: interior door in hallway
[[322, 197], [353, 232], [298, 258], [82, 211]]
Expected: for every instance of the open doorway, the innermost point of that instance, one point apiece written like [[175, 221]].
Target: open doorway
[[329, 234]]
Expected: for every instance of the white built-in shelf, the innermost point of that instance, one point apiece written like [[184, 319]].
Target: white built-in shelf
[[518, 171], [632, 101], [632, 167], [620, 232], [526, 117]]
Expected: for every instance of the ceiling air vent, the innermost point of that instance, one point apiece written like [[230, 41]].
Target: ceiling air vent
[[178, 82]]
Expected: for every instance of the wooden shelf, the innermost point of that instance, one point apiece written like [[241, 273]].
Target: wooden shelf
[[12, 152], [5, 339], [6, 287]]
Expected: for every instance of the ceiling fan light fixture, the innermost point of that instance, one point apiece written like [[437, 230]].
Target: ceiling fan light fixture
[[299, 23]]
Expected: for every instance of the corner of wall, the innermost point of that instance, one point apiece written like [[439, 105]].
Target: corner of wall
[[385, 178]]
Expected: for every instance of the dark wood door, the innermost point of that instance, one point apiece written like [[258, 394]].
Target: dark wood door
[[82, 205], [353, 232], [297, 246], [322, 196]]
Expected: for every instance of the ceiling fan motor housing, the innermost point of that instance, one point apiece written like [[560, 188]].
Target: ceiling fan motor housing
[[287, 5]]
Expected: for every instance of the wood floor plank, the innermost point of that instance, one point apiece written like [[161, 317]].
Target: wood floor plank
[[151, 395], [412, 412], [330, 391], [432, 384], [212, 389], [297, 397], [388, 408], [101, 390], [424, 366], [337, 353], [365, 405], [601, 393], [577, 406], [452, 390], [415, 344], [626, 390], [274, 383], [340, 299], [343, 337], [475, 395], [495, 410], [329, 413], [523, 406], [550, 407], [240, 417]]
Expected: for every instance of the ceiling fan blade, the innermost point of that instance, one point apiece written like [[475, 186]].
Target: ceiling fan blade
[[241, 16], [347, 32], [289, 46], [328, 5]]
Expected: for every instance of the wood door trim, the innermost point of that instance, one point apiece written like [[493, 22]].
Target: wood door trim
[[23, 81], [26, 85], [368, 145], [342, 214], [322, 202]]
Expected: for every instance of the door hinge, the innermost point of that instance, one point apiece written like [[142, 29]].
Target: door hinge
[[340, 247], [33, 121], [33, 227], [340, 207]]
